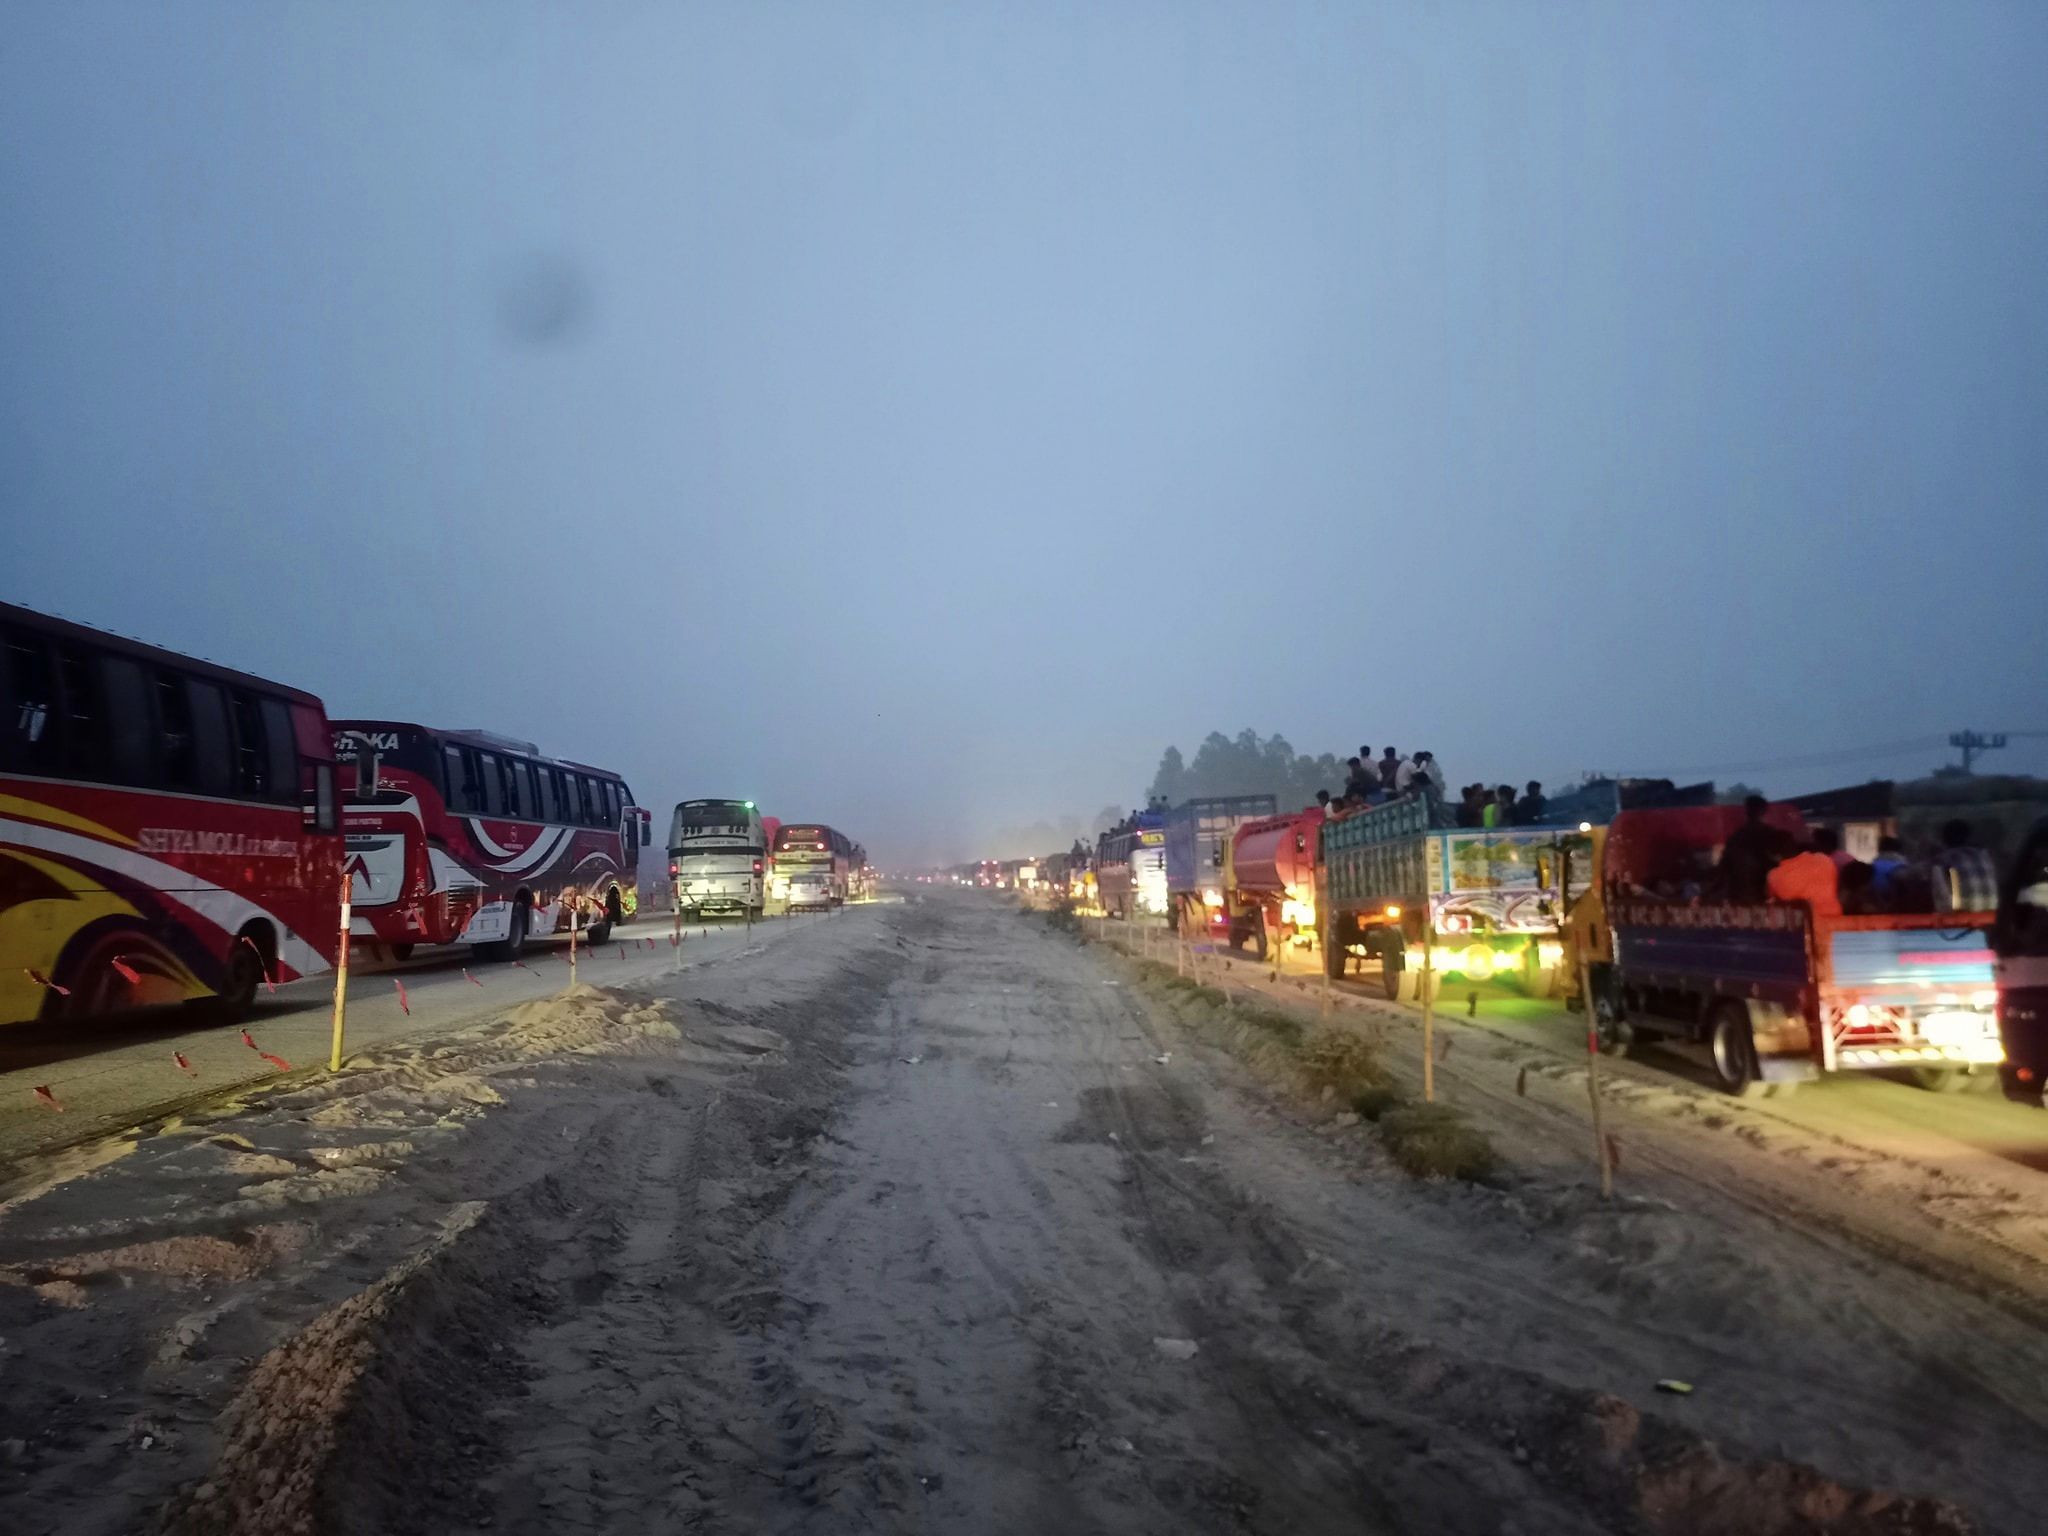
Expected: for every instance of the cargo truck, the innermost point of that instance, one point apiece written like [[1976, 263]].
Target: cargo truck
[[1487, 901], [1198, 836], [1130, 867], [1773, 992]]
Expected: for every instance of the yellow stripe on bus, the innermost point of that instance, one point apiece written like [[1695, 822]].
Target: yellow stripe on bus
[[36, 810]]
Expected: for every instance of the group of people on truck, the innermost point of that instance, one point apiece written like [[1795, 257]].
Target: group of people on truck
[[1760, 862], [1370, 780]]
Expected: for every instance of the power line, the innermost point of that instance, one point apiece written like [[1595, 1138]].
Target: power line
[[1881, 749]]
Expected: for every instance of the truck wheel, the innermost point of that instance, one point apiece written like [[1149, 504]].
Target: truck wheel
[[1331, 941], [1259, 940], [1734, 1052], [1393, 962]]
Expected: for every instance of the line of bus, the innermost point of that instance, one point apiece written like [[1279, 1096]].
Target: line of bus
[[174, 831], [814, 866]]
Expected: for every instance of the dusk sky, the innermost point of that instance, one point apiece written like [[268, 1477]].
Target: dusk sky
[[916, 419]]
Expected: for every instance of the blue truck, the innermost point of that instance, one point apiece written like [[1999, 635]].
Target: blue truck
[[1198, 834]]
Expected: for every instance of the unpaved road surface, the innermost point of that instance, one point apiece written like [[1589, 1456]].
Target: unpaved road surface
[[926, 1219]]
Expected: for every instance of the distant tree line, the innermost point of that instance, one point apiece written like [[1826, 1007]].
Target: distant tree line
[[1246, 765]]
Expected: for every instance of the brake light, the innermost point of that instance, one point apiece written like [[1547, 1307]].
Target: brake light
[[674, 870], [757, 866]]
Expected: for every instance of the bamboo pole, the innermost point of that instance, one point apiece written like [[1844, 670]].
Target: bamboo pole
[[1428, 1007], [1593, 1079], [341, 971]]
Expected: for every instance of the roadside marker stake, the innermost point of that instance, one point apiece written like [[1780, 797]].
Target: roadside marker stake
[[340, 976], [1603, 1149], [404, 1002], [44, 1096], [184, 1066], [1428, 1008]]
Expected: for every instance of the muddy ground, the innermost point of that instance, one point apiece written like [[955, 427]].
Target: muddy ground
[[926, 1218]]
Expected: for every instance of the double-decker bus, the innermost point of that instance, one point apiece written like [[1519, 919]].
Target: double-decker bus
[[465, 837], [813, 866], [168, 828], [718, 858]]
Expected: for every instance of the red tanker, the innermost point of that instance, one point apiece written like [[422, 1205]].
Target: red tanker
[[1270, 878]]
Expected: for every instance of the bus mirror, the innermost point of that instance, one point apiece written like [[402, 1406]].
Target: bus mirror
[[326, 816]]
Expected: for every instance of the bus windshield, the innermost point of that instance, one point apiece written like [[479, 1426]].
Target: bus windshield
[[714, 818]]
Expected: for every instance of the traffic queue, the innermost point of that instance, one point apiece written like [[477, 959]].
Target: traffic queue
[[172, 830], [1835, 932]]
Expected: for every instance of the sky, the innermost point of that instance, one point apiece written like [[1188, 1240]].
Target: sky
[[915, 417]]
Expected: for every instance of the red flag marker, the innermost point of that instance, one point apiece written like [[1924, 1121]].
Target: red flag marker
[[469, 978], [622, 951], [127, 972], [44, 1096], [522, 965], [41, 980], [184, 1066], [276, 1061], [404, 1002], [261, 969], [247, 1041]]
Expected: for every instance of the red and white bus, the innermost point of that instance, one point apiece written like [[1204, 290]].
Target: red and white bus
[[473, 838], [168, 828]]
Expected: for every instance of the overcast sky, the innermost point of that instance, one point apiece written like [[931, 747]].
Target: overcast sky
[[916, 419]]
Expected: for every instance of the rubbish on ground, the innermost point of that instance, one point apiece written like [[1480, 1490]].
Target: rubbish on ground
[[1674, 1387], [1164, 1058], [1176, 1349], [910, 1061], [1209, 1140]]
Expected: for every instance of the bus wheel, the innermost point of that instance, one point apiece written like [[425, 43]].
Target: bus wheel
[[245, 974], [1259, 939], [603, 930], [401, 952], [513, 945], [1734, 1052]]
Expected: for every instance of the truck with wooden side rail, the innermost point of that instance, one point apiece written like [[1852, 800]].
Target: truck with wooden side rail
[[1774, 991], [1198, 837]]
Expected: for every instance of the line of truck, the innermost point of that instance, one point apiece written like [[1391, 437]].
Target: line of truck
[[1599, 906]]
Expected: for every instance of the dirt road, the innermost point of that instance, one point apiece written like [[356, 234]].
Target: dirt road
[[927, 1218]]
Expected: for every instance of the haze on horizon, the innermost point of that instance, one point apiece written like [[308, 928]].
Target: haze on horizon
[[917, 420]]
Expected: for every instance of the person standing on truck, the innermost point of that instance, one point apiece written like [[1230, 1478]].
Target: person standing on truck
[[1965, 879], [1389, 767], [1749, 853], [1530, 809], [1812, 876], [1358, 782]]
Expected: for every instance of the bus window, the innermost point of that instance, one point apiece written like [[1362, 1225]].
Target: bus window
[[30, 744], [178, 762], [490, 784], [582, 806], [252, 753], [284, 756], [126, 690], [85, 718], [213, 752], [523, 803], [462, 787]]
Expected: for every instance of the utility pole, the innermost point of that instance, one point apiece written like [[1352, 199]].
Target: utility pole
[[1971, 743]]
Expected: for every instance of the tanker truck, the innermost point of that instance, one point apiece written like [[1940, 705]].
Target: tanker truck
[[1269, 879], [1198, 836]]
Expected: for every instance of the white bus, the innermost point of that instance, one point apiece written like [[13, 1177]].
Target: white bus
[[718, 858]]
